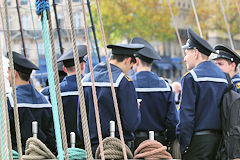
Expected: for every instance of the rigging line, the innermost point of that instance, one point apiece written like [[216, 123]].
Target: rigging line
[[95, 101], [12, 82], [227, 25], [21, 29], [35, 35], [176, 27], [93, 30], [111, 81], [3, 26], [58, 29], [196, 16], [238, 8]]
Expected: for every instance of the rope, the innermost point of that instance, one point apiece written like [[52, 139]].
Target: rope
[[236, 1], [151, 149], [35, 35], [35, 149], [57, 82], [111, 81], [15, 108], [227, 25], [52, 85], [4, 31], [86, 136], [113, 149], [196, 16], [76, 153], [3, 110], [93, 84], [176, 27], [15, 154], [2, 155]]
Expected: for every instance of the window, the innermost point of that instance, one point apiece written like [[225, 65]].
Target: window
[[77, 20], [9, 2], [25, 22], [23, 2], [76, 0], [58, 1], [60, 20], [10, 20]]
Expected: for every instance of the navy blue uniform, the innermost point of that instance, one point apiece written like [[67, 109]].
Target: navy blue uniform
[[32, 106], [126, 97], [69, 94], [158, 110], [202, 90], [236, 82]]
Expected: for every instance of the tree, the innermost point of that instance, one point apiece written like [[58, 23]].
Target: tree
[[211, 18], [124, 19]]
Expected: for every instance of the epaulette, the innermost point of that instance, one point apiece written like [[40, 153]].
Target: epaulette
[[185, 74], [129, 79]]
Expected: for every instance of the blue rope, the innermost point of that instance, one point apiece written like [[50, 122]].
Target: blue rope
[[53, 95], [35, 37], [1, 125], [76, 154], [41, 5]]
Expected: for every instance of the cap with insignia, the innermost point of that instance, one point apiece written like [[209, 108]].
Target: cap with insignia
[[68, 57], [196, 42], [148, 53], [22, 64], [125, 49], [226, 53]]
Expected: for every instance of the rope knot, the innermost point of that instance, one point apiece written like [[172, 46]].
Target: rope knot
[[151, 149], [41, 5], [113, 149]]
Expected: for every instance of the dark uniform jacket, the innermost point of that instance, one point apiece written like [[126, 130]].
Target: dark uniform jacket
[[69, 94], [158, 110], [126, 98], [236, 82], [202, 90], [32, 106]]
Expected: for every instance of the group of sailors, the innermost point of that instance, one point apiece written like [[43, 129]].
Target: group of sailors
[[196, 123]]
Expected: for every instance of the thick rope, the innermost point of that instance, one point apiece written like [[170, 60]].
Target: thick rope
[[4, 31], [95, 101], [52, 85], [111, 81], [57, 85], [3, 110], [2, 153], [196, 16], [238, 8], [15, 108], [151, 149], [76, 154], [113, 149], [35, 149], [86, 136], [176, 28], [226, 22], [35, 38]]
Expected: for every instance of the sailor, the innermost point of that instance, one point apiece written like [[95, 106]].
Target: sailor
[[228, 61], [32, 106], [199, 129], [121, 61], [158, 110], [69, 92]]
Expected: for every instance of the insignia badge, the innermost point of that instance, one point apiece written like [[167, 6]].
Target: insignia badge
[[238, 85], [129, 79]]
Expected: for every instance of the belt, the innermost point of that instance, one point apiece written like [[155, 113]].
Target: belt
[[207, 132], [146, 134]]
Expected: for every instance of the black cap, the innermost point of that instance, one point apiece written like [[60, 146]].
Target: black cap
[[196, 42], [68, 57], [225, 52], [22, 64], [148, 53], [125, 49]]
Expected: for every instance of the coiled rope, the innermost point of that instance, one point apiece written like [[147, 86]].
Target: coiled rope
[[151, 149], [113, 149], [111, 81], [80, 87], [93, 84], [15, 108], [41, 7], [36, 150], [76, 153], [15, 154]]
